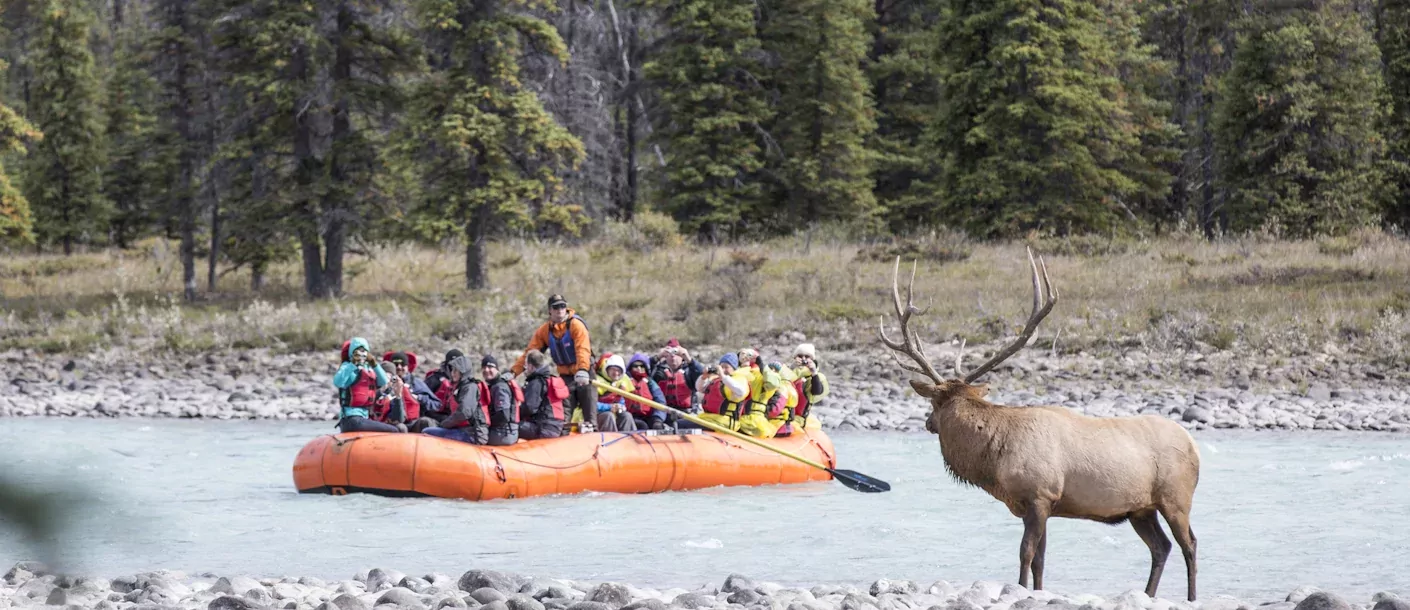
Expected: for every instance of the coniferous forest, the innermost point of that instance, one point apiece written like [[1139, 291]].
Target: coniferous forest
[[262, 131]]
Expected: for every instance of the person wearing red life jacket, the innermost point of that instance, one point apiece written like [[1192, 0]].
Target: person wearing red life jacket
[[810, 384], [358, 381], [405, 363], [438, 381], [638, 369], [470, 422], [500, 397], [395, 404], [542, 414], [676, 373], [612, 415]]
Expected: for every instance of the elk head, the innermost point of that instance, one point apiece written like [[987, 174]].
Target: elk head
[[942, 390]]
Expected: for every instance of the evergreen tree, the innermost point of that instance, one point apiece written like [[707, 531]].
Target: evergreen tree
[[1393, 35], [261, 101], [177, 146], [1195, 38], [825, 167], [15, 221], [1037, 129], [130, 178], [1298, 119], [491, 155], [709, 85], [902, 73], [64, 177]]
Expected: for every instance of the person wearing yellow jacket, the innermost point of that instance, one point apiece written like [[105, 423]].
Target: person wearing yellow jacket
[[810, 383], [763, 386], [612, 415], [725, 390], [785, 401]]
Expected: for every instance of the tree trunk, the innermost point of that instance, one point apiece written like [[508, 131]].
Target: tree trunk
[[477, 276], [306, 172], [185, 202], [257, 274], [632, 119], [118, 11], [334, 203]]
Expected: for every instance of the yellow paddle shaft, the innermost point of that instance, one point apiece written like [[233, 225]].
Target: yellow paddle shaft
[[696, 420]]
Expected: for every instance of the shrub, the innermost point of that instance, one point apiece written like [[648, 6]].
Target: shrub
[[942, 246], [1083, 245]]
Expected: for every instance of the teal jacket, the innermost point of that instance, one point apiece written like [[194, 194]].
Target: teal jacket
[[347, 375]]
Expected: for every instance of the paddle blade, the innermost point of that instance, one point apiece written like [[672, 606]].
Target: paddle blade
[[860, 482]]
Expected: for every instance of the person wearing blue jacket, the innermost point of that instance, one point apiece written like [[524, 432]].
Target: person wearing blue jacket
[[358, 381]]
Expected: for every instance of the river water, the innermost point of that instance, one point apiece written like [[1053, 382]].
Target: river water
[[1273, 511]]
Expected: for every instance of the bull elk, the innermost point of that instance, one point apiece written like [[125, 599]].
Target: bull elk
[[1051, 461]]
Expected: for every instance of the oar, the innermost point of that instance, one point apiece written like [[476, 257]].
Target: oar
[[852, 479]]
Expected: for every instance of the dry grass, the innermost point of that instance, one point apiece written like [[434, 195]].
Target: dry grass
[[1167, 294]]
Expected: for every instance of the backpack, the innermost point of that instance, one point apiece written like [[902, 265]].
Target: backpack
[[556, 393], [516, 397]]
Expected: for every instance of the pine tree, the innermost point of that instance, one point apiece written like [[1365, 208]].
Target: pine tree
[[130, 179], [1393, 35], [1195, 38], [709, 85], [64, 172], [16, 223], [1037, 129], [826, 166], [177, 145], [906, 91], [251, 42], [491, 155], [1298, 119]]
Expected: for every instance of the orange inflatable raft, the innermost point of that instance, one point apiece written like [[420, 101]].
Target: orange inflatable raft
[[409, 465]]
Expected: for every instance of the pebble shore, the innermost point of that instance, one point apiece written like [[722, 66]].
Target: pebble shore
[[1219, 389], [30, 585]]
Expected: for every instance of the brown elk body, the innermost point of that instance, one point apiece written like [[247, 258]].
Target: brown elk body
[[1046, 462]]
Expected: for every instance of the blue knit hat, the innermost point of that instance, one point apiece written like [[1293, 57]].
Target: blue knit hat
[[730, 359]]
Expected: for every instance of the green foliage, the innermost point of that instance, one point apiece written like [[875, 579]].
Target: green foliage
[[906, 92], [15, 221], [713, 108], [1394, 39], [825, 170], [64, 172], [131, 179], [489, 152], [1298, 118], [1045, 122], [937, 247]]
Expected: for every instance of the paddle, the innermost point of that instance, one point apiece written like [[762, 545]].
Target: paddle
[[850, 478]]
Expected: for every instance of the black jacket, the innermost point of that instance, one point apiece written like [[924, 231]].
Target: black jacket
[[536, 407]]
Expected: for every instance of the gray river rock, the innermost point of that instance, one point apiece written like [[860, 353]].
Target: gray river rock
[[1201, 389], [175, 591]]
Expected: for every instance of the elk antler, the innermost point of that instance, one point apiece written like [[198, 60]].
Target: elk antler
[[910, 344], [1041, 307]]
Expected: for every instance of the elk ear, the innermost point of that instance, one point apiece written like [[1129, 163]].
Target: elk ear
[[927, 390]]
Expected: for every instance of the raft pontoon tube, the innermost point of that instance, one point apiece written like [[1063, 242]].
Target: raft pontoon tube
[[409, 465]]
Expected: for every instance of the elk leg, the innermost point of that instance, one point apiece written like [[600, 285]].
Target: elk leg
[[1038, 561], [1179, 521], [1147, 526], [1035, 528]]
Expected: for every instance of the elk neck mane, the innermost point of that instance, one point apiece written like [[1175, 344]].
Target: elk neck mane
[[974, 433]]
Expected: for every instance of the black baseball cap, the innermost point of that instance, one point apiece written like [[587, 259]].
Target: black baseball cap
[[557, 300]]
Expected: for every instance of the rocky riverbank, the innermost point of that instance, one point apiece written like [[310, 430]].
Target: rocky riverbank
[[1211, 388], [29, 585]]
